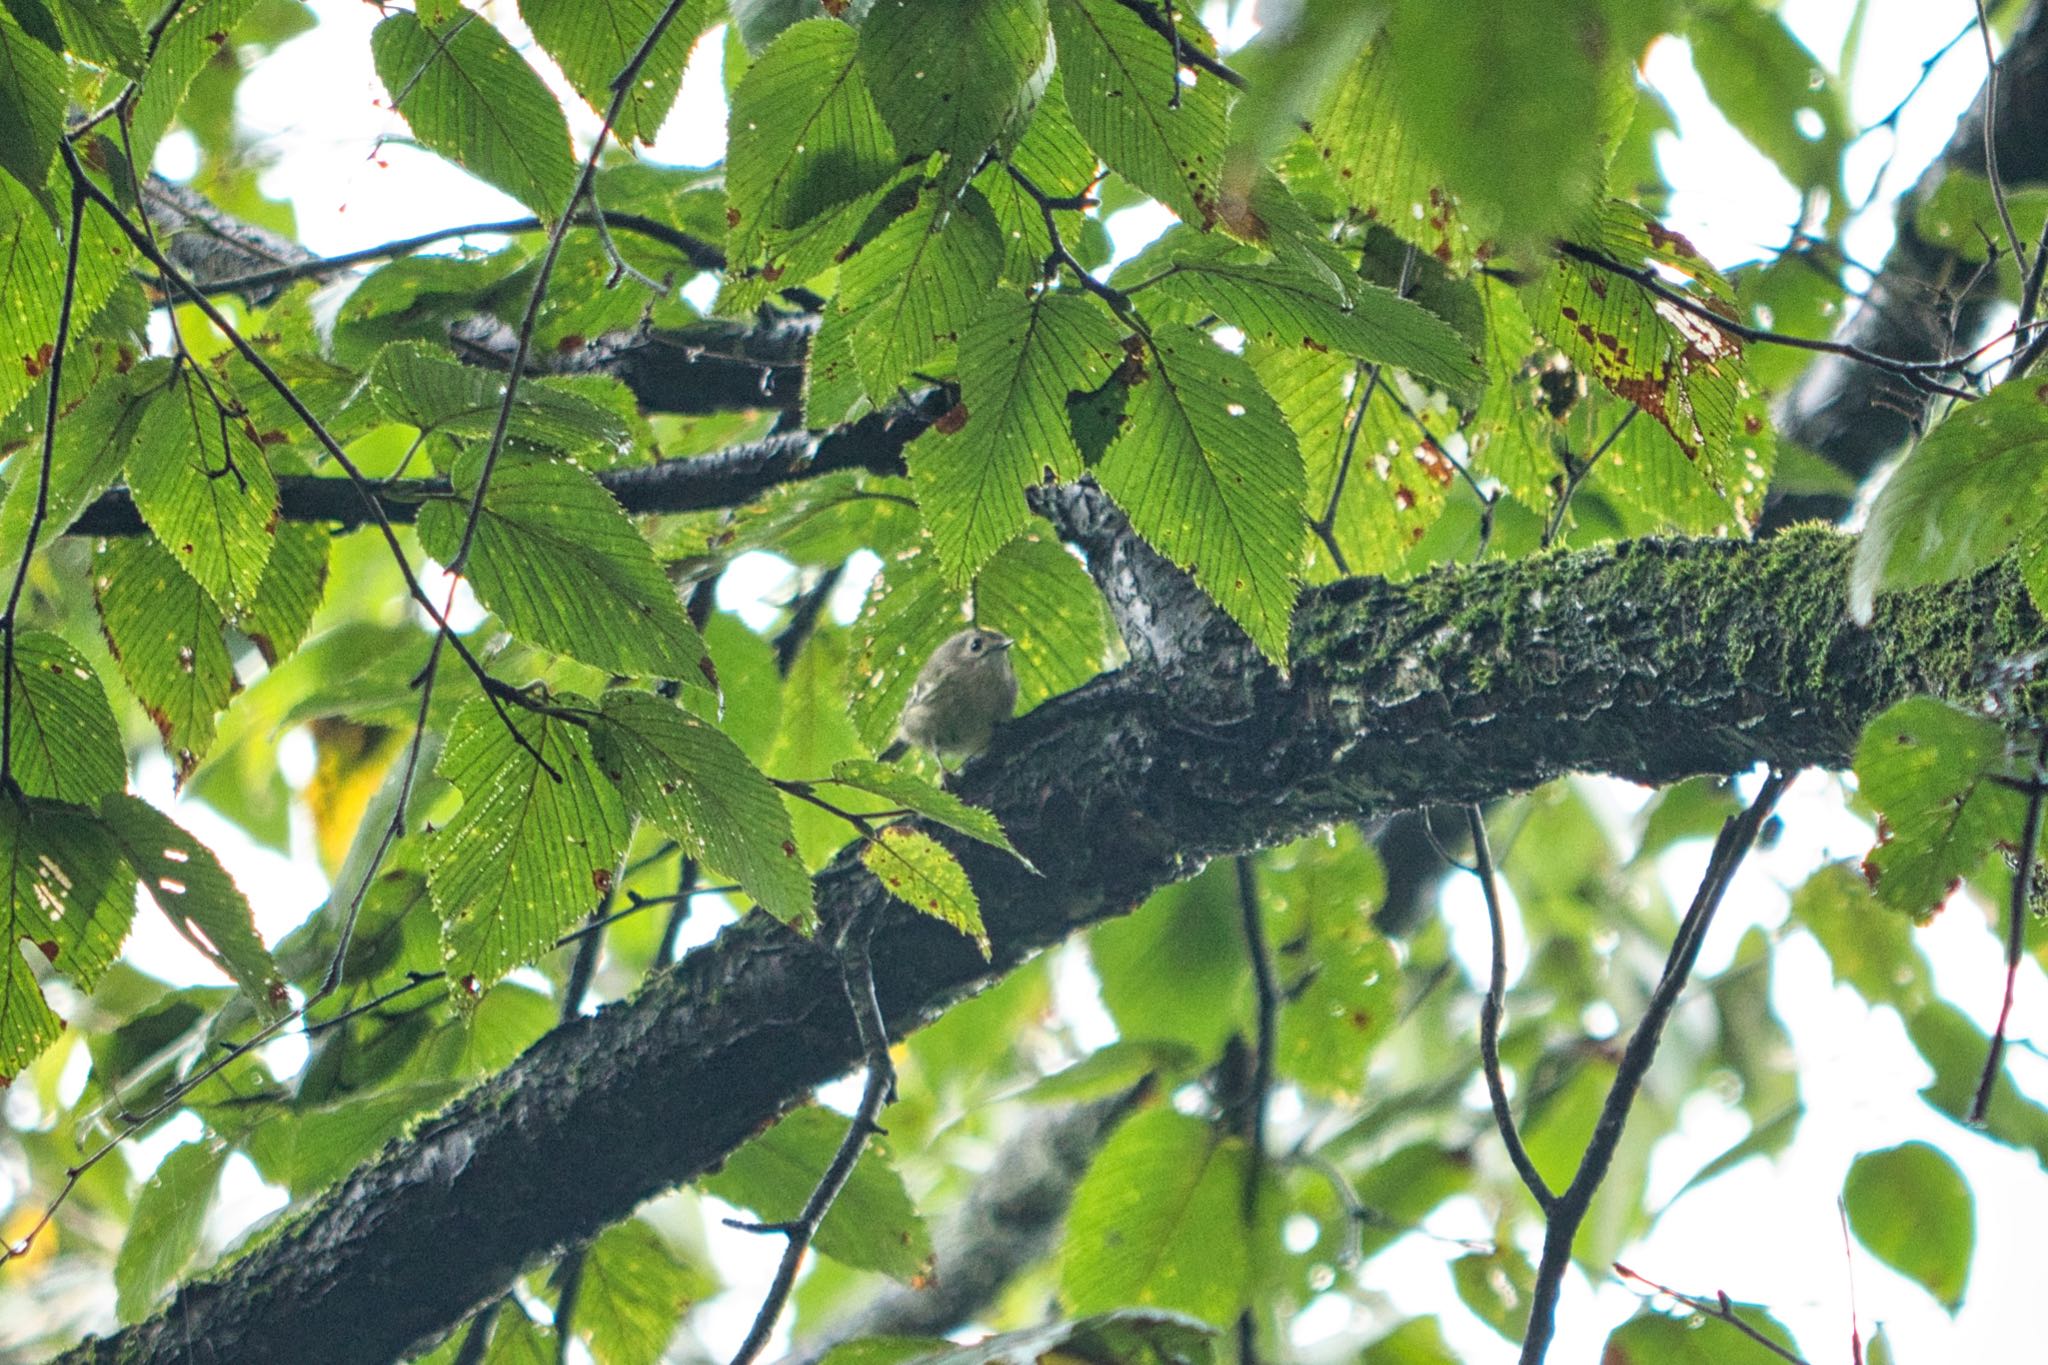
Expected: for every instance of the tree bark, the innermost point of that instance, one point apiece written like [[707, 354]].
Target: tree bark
[[1654, 661]]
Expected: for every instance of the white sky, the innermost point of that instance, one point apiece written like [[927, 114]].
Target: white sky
[[1764, 1233]]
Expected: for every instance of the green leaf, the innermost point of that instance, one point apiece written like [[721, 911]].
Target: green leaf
[[202, 482], [1508, 101], [1870, 949], [907, 789], [293, 583], [1678, 367], [564, 567], [1930, 770], [593, 42], [468, 96], [1209, 474], [165, 633], [195, 893], [923, 873], [66, 742], [68, 897], [102, 32], [1496, 1286], [1176, 970], [317, 1144], [1319, 895], [1766, 82], [1053, 155], [31, 104], [1285, 305], [916, 286], [950, 75], [1019, 359], [1159, 1221], [1129, 100], [1418, 1341], [85, 459], [909, 612], [1129, 1336], [411, 383], [815, 733], [1955, 1049], [872, 1225], [1038, 594], [696, 785], [1912, 1207], [32, 264], [163, 1234], [1960, 500], [1652, 1338], [806, 136], [1961, 216], [197, 35], [533, 848], [1377, 167], [633, 1292]]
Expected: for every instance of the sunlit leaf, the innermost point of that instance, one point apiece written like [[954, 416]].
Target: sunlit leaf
[[922, 873], [68, 898], [1912, 1207], [65, 742], [1931, 770], [917, 285], [593, 42], [163, 1234], [165, 633]]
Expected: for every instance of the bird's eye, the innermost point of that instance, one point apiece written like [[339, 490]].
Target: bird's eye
[[974, 644]]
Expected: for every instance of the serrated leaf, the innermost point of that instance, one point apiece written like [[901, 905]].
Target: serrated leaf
[[31, 104], [104, 33], [872, 1225], [1159, 1220], [68, 897], [1019, 359], [915, 287], [1912, 1207], [163, 1234], [32, 265], [633, 1292], [1931, 770], [293, 583], [197, 34], [593, 42], [922, 873], [66, 742], [202, 482], [696, 785], [468, 96], [195, 893], [1508, 102], [1163, 135], [165, 633], [564, 567], [806, 135], [1287, 306], [909, 612], [1361, 142], [949, 75], [1961, 499], [1679, 367], [85, 459], [912, 792], [531, 850], [1210, 476], [410, 383], [1038, 594]]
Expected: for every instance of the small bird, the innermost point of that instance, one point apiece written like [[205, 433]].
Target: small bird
[[962, 693]]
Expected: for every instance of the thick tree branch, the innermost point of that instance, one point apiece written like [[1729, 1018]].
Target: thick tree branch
[[1921, 305], [727, 478], [1654, 661]]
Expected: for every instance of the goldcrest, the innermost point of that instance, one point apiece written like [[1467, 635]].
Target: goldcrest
[[962, 693]]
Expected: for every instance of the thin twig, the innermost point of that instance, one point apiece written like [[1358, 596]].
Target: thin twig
[[857, 975], [1914, 372], [1183, 52], [1490, 1010], [1118, 301], [2015, 943], [42, 507], [1561, 1222], [1719, 1308], [2012, 236], [1266, 1026], [1577, 475]]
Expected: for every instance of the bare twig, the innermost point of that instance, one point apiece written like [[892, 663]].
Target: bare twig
[[2012, 236], [1577, 475], [2015, 940], [1490, 1010], [857, 974], [1719, 1308], [1562, 1219], [1266, 1026]]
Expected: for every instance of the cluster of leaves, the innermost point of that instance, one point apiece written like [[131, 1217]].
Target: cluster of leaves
[[1355, 351]]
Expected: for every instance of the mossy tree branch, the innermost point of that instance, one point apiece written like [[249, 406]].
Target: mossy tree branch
[[1654, 661]]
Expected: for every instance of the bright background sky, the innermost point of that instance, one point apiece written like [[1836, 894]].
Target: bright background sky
[[1763, 1233]]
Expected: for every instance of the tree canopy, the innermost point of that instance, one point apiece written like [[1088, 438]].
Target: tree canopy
[[1415, 534]]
